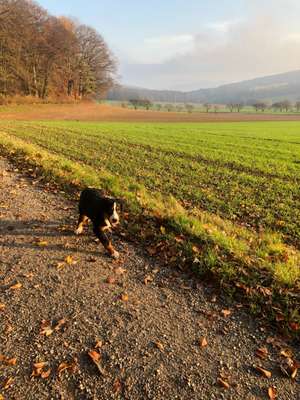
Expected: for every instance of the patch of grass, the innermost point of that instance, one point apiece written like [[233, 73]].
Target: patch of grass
[[214, 186]]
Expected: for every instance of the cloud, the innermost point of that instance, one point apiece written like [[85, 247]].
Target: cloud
[[161, 48], [266, 42]]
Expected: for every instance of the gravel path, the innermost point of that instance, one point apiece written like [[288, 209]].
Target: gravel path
[[156, 334]]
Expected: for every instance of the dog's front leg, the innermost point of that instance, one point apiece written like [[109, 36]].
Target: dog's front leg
[[101, 235]]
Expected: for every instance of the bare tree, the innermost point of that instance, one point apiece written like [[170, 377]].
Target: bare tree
[[207, 107]]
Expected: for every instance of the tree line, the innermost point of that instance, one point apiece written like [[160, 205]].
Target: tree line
[[42, 55]]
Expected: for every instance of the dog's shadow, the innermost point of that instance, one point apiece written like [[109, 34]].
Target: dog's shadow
[[43, 231]]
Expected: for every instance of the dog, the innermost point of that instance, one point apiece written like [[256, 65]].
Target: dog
[[102, 212]]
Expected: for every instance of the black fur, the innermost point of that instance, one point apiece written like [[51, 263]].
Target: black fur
[[101, 211]]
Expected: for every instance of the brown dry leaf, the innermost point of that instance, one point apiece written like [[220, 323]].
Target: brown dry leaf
[[46, 328], [59, 324], [40, 365], [163, 230], [117, 387], [98, 344], [1, 397], [203, 342], [60, 265], [152, 250], [11, 361], [17, 286], [70, 260], [294, 326], [2, 357], [42, 243], [7, 383], [120, 271], [264, 372], [294, 373], [226, 313], [111, 280], [196, 250], [96, 358], [46, 374], [148, 279], [262, 353], [159, 345], [124, 297], [272, 392], [286, 353], [223, 383], [2, 306], [94, 355], [66, 366]]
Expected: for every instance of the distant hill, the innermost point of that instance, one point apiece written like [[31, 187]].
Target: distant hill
[[272, 88]]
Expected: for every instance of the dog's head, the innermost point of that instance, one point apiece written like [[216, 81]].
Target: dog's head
[[111, 211]]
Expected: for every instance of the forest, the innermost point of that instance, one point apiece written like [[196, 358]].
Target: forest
[[46, 56]]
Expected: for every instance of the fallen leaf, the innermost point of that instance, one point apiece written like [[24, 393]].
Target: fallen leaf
[[59, 324], [98, 344], [117, 387], [272, 392], [17, 286], [286, 353], [294, 326], [11, 361], [223, 383], [2, 306], [42, 243], [124, 297], [120, 271], [148, 279], [46, 374], [226, 313], [196, 250], [96, 357], [264, 372], [111, 280], [7, 383], [152, 250], [70, 260], [66, 366], [294, 373], [203, 342], [46, 328], [159, 345], [39, 365], [163, 230], [262, 352]]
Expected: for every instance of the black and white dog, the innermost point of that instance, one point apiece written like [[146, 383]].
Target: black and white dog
[[102, 211]]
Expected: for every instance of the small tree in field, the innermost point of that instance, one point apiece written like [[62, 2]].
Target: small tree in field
[[231, 107], [260, 106], [189, 108], [169, 107], [207, 107], [287, 105], [239, 106]]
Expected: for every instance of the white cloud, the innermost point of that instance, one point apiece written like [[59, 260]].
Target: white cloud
[[161, 48], [267, 42]]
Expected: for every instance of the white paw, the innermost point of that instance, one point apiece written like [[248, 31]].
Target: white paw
[[79, 230], [115, 255]]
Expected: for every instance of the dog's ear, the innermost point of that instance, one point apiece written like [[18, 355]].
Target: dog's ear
[[121, 203]]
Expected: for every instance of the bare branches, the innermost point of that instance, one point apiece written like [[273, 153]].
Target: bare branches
[[41, 55]]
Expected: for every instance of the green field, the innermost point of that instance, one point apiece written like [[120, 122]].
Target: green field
[[233, 186]]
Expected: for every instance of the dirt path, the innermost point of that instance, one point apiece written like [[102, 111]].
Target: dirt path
[[148, 334]]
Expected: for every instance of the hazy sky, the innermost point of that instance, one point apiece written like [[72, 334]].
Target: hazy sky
[[189, 44]]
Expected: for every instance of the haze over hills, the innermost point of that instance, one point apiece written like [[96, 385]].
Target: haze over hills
[[285, 86]]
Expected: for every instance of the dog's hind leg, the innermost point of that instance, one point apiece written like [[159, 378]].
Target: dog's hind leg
[[101, 235], [81, 221]]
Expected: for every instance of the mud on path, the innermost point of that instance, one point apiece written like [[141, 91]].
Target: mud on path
[[148, 321]]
